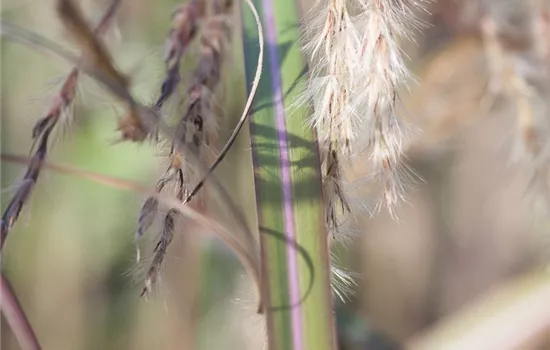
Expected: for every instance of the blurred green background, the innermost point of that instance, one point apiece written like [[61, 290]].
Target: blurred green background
[[70, 257]]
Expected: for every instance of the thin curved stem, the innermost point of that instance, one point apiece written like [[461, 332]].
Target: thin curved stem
[[15, 316]]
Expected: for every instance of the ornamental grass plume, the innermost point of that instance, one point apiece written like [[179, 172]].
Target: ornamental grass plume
[[384, 22], [517, 57], [331, 41], [356, 69]]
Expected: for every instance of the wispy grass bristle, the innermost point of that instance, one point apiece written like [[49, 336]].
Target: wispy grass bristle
[[343, 282]]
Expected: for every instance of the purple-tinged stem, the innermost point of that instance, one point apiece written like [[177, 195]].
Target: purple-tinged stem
[[15, 316]]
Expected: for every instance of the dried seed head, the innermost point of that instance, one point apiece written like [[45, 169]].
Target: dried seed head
[[198, 125], [166, 236], [383, 23], [146, 216], [356, 69], [519, 76], [45, 126], [185, 21], [331, 42]]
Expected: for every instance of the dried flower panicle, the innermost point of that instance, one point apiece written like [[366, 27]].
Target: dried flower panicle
[[384, 22], [331, 43], [140, 121], [42, 130], [356, 69], [331, 40], [519, 65], [196, 130], [185, 22]]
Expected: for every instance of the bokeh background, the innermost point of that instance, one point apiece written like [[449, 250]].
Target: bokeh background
[[472, 224]]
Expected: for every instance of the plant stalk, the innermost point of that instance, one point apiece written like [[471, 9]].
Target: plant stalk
[[295, 259]]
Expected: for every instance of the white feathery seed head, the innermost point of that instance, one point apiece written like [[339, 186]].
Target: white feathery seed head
[[331, 40], [382, 24], [356, 68]]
